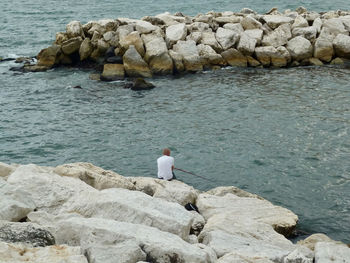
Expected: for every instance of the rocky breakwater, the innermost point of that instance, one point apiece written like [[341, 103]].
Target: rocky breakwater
[[171, 43], [79, 213]]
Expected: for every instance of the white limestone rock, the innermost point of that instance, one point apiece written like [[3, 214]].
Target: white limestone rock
[[336, 26], [249, 22], [227, 38], [300, 21], [323, 49], [175, 33], [278, 37], [163, 246], [246, 44], [223, 190], [265, 54], [247, 237], [125, 30], [94, 176], [237, 258], [208, 38], [74, 29], [342, 46], [346, 22], [134, 64], [281, 219], [177, 60], [256, 34], [221, 20], [237, 28], [326, 252], [199, 26], [15, 203], [275, 21], [71, 45], [144, 27], [46, 189], [6, 170], [172, 191], [133, 207], [311, 241], [195, 36], [16, 253], [300, 48], [134, 39], [209, 56], [317, 24], [300, 254], [310, 33], [169, 19], [85, 49], [189, 51]]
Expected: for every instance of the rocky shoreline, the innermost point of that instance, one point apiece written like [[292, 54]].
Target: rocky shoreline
[[78, 212], [173, 43]]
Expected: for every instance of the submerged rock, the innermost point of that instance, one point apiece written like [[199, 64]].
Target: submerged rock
[[139, 84]]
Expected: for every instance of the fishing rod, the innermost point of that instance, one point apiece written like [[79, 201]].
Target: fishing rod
[[194, 174]]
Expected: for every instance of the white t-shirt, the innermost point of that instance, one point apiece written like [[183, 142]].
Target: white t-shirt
[[164, 167]]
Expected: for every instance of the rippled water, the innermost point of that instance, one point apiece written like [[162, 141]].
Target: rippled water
[[283, 134]]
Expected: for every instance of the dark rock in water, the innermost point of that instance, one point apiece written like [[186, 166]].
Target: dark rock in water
[[6, 59], [24, 60], [34, 68], [29, 233], [139, 84], [77, 87], [110, 52], [115, 60]]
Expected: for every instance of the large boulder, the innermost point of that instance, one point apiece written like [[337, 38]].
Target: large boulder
[[342, 46], [274, 21], [94, 175], [247, 237], [256, 34], [300, 21], [336, 26], [47, 189], [223, 190], [134, 65], [85, 49], [309, 33], [278, 37], [74, 29], [28, 233], [326, 252], [134, 39], [112, 72], [281, 219], [133, 207], [237, 258], [234, 58], [15, 204], [246, 44], [227, 38], [172, 191], [175, 33], [209, 56], [300, 48], [159, 246], [144, 27], [6, 170], [177, 61], [311, 241], [157, 56], [221, 20], [16, 253], [237, 28], [71, 45], [208, 38], [48, 57], [189, 51], [323, 49], [250, 22]]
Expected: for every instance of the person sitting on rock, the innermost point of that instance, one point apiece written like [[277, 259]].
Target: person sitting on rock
[[166, 166]]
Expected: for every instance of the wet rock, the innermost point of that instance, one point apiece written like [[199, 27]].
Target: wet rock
[[115, 60], [28, 233], [337, 61], [71, 45], [177, 60], [315, 62], [139, 84], [134, 65], [112, 72], [26, 60], [77, 87], [234, 58], [85, 49], [300, 48], [33, 68], [48, 57], [342, 46], [209, 56], [252, 62], [95, 76], [16, 253]]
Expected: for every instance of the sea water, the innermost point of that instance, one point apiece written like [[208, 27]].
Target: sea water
[[280, 133]]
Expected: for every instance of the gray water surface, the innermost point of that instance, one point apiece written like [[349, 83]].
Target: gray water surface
[[283, 134]]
